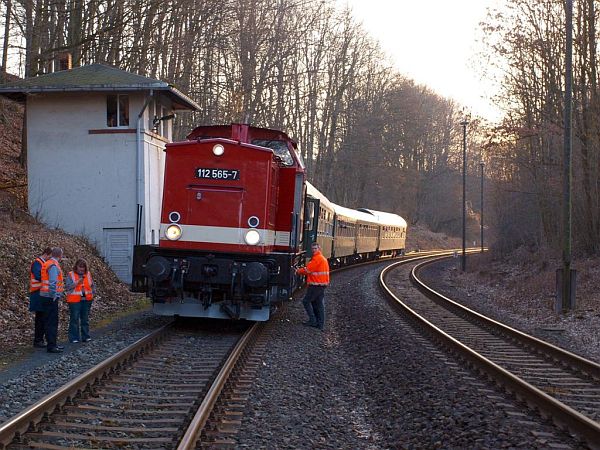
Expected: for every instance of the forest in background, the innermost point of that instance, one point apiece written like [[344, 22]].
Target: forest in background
[[369, 135], [525, 43]]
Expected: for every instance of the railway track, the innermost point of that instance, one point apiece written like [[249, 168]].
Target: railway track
[[157, 393], [160, 392], [557, 383]]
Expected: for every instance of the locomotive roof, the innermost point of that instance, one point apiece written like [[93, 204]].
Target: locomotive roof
[[221, 140], [354, 215], [228, 131], [385, 218], [315, 193]]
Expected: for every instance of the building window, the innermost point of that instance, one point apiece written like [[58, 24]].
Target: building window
[[117, 110]]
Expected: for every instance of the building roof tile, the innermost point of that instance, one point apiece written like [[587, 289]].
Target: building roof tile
[[94, 77]]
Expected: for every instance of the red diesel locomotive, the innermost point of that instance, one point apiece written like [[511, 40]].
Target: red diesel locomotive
[[236, 219]]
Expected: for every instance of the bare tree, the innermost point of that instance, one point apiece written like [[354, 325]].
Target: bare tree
[[368, 135]]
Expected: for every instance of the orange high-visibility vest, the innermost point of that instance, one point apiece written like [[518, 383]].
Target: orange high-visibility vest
[[82, 288], [317, 270], [60, 285], [35, 284]]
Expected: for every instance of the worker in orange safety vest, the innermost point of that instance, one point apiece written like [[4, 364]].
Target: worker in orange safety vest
[[51, 291], [80, 294], [317, 278], [35, 301]]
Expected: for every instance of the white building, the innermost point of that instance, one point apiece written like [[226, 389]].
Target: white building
[[95, 160]]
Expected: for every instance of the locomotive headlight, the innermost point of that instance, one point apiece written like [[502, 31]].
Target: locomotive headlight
[[218, 150], [173, 232], [252, 237]]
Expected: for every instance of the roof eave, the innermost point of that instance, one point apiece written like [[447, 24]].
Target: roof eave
[[79, 88], [180, 100]]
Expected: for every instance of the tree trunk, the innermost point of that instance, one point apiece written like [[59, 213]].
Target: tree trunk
[[6, 40]]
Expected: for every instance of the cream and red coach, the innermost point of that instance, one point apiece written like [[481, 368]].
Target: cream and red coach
[[230, 225]]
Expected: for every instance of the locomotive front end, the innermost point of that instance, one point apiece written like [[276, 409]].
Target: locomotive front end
[[221, 232]]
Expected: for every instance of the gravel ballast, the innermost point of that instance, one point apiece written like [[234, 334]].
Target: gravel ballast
[[578, 331], [370, 381], [41, 373]]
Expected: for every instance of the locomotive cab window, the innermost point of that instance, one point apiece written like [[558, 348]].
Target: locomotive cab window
[[117, 110], [280, 148]]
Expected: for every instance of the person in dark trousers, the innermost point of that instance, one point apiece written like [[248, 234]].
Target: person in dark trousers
[[317, 278], [51, 291], [80, 294], [35, 300]]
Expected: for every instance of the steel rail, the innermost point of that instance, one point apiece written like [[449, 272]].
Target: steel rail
[[577, 362], [562, 415], [413, 254], [35, 413], [192, 434]]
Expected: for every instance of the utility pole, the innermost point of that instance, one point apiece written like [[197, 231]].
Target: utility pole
[[463, 261], [566, 277]]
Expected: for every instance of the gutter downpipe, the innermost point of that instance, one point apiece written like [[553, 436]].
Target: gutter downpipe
[[138, 166]]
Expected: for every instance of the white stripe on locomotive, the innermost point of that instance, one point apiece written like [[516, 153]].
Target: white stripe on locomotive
[[227, 235]]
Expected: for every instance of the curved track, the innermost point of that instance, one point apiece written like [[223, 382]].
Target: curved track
[[142, 397], [159, 392], [559, 384]]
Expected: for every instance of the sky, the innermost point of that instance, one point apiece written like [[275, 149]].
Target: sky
[[433, 42]]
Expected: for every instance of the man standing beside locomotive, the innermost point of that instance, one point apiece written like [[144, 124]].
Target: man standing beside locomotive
[[317, 278]]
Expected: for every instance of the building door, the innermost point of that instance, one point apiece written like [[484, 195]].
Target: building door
[[118, 249]]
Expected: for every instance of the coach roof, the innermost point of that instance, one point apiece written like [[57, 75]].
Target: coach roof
[[385, 218], [315, 193], [354, 215]]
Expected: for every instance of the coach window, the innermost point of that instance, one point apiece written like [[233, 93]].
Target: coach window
[[117, 110]]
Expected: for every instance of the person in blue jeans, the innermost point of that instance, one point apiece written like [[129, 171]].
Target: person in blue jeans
[[80, 295], [51, 292], [36, 303]]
